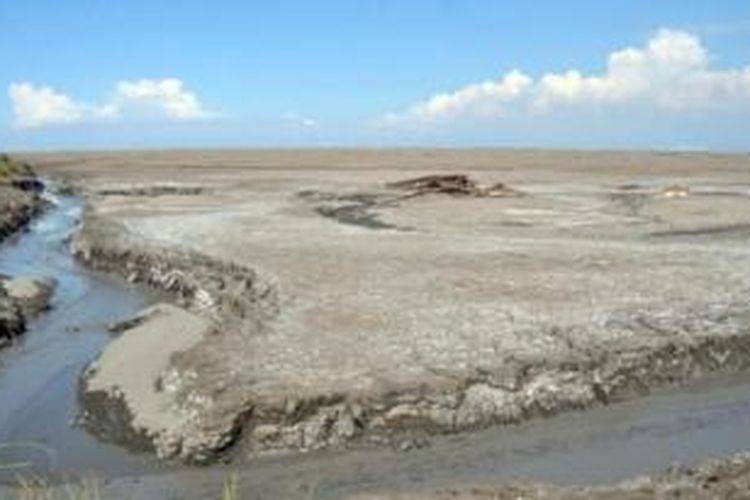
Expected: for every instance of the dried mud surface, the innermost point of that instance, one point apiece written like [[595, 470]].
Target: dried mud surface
[[348, 312]]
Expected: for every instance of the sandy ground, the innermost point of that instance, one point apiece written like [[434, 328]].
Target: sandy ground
[[348, 312]]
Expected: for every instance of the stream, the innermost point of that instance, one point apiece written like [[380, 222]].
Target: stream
[[38, 405], [39, 373]]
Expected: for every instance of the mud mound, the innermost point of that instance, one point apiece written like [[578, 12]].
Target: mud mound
[[32, 295], [11, 320]]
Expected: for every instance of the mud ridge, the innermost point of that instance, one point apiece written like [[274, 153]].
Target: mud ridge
[[223, 290]]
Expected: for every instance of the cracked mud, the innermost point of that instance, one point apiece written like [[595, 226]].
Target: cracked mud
[[489, 310]]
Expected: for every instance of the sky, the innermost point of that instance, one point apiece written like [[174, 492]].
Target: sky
[[666, 74]]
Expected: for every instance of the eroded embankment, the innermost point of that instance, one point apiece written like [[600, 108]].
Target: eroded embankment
[[19, 203], [517, 390], [660, 350], [143, 404], [222, 290], [17, 208]]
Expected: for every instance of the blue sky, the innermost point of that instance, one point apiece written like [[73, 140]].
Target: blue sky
[[97, 73]]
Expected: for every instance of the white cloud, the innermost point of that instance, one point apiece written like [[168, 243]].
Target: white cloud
[[37, 106], [483, 99], [168, 94], [672, 71]]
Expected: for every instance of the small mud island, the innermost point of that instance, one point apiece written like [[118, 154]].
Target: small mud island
[[321, 299]]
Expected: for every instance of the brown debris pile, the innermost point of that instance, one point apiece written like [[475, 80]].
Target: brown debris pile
[[454, 184]]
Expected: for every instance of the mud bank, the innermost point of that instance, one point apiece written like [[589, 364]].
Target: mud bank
[[652, 351], [150, 408], [21, 300], [20, 202], [17, 208], [221, 290]]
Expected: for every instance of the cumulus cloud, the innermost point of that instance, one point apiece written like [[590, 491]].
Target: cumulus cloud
[[484, 99], [672, 71], [168, 94], [37, 106]]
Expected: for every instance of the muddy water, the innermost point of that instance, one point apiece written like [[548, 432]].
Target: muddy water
[[604, 445], [38, 375], [38, 382]]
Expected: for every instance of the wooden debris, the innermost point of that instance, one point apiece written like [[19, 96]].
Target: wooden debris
[[453, 184]]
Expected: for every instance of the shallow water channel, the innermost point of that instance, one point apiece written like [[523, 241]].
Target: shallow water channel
[[39, 374], [38, 404]]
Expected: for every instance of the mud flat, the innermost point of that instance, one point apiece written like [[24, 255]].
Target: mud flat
[[343, 311]]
